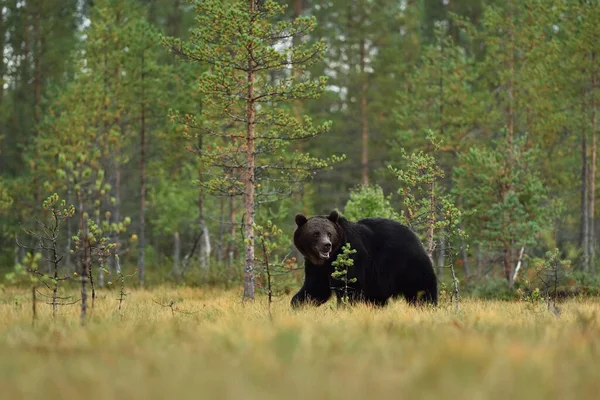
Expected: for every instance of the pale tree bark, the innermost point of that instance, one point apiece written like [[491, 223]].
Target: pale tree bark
[[441, 258], [249, 178], [2, 47], [204, 252]]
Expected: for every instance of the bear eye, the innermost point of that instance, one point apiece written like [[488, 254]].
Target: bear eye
[[329, 234], [316, 234]]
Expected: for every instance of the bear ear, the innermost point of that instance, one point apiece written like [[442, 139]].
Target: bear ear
[[300, 220], [334, 216]]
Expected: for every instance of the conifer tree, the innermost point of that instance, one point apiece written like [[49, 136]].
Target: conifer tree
[[244, 48]]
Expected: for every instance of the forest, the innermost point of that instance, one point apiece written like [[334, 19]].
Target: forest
[[157, 157], [187, 135]]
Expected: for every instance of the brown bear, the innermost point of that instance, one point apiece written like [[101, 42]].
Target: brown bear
[[390, 261]]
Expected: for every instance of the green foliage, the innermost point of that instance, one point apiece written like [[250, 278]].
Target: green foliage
[[173, 201], [244, 47], [22, 271], [5, 200], [426, 208], [550, 272], [369, 201], [441, 98], [45, 238], [273, 266], [98, 238], [341, 265], [507, 201]]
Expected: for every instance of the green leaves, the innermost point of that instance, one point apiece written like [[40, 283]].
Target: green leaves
[[249, 53], [369, 201], [507, 200], [341, 269]]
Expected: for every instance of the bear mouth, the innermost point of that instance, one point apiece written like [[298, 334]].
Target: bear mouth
[[324, 255]]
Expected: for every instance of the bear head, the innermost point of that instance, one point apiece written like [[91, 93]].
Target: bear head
[[318, 237]]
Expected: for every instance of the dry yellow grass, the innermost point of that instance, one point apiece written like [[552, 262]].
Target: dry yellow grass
[[221, 349]]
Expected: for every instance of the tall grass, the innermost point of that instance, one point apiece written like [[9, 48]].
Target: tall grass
[[214, 347]]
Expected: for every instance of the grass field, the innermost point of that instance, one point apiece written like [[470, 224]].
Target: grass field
[[218, 348]]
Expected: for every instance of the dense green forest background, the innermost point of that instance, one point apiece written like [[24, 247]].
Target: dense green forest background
[[502, 96]]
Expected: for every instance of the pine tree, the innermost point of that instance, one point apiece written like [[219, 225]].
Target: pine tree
[[243, 48]]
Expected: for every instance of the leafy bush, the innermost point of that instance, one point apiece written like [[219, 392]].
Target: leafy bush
[[369, 201]]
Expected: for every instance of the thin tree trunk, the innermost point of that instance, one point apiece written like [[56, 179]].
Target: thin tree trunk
[[510, 122], [204, 251], [479, 261], [507, 263], [85, 259], [117, 214], [249, 177], [69, 233], [2, 46], [298, 105], [431, 222], [231, 245], [584, 234], [176, 256], [37, 90], [363, 111], [37, 75], [592, 189], [142, 235], [465, 258], [518, 267], [100, 280], [220, 244], [297, 71], [174, 20], [441, 258], [510, 115]]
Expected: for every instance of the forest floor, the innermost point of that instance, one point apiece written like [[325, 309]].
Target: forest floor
[[214, 347]]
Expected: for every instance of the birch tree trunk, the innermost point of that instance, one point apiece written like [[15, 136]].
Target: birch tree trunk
[[441, 258], [249, 177]]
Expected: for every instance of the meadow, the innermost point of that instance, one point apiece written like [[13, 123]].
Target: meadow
[[210, 345]]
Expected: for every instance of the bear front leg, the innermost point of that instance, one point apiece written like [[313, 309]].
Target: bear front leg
[[310, 296], [316, 288]]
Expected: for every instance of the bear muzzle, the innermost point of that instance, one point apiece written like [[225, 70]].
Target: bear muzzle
[[324, 251]]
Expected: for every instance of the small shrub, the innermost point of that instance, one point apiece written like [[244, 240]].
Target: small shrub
[[369, 201], [341, 265]]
